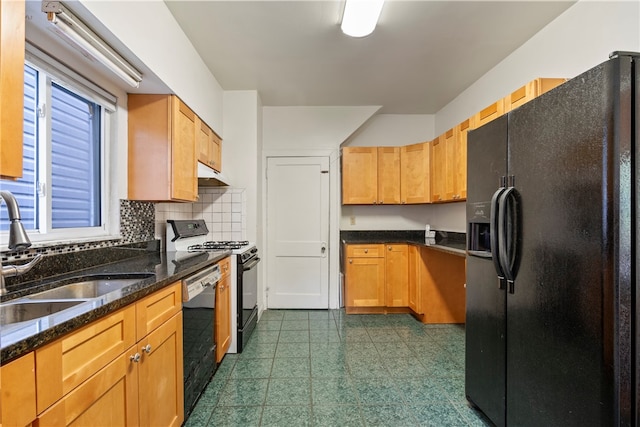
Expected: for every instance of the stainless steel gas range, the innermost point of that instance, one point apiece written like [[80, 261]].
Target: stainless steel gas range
[[244, 274]]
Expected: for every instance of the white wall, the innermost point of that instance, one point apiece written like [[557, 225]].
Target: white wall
[[152, 34], [394, 130], [580, 38], [314, 131], [241, 154]]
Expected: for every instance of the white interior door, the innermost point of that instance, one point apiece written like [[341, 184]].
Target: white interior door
[[297, 232]]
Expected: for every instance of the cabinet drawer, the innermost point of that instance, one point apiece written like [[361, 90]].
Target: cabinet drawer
[[365, 251], [67, 362], [225, 266], [155, 309]]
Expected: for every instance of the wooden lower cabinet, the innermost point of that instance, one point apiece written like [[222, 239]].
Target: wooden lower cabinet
[[376, 277], [414, 266], [124, 369], [442, 296], [396, 275], [160, 377], [18, 391], [405, 278], [108, 398], [223, 311], [142, 386], [364, 277]]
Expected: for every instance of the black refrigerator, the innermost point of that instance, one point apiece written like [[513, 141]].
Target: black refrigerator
[[552, 265]]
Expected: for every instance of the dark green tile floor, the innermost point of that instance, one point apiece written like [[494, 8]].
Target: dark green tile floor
[[327, 368]]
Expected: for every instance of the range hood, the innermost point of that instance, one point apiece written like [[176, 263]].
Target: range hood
[[209, 177]]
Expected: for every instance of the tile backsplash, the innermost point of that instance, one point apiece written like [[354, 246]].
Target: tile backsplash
[[222, 208], [136, 225]]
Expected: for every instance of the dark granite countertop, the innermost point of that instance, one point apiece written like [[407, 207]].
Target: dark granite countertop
[[164, 269], [445, 241]]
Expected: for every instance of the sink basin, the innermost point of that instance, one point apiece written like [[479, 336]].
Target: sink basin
[[86, 289], [23, 311]]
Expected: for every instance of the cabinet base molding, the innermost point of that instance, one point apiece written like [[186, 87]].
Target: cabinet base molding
[[378, 310]]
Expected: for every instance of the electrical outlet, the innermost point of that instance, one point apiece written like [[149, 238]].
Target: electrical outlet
[[352, 220]]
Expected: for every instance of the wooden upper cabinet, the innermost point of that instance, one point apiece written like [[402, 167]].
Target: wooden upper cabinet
[[438, 170], [203, 137], [460, 174], [209, 146], [388, 175], [529, 91], [12, 45], [162, 149], [359, 175], [216, 152], [415, 184], [488, 114]]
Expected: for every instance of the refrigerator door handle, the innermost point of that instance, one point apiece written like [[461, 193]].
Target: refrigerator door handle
[[493, 231], [507, 220]]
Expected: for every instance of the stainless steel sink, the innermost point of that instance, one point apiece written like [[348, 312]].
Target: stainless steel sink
[[86, 289], [23, 311]]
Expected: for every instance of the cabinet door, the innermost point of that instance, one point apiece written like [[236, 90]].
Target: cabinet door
[[359, 175], [109, 398], [461, 161], [488, 114], [414, 276], [65, 363], [438, 170], [12, 36], [18, 391], [396, 274], [442, 287], [203, 137], [449, 140], [415, 176], [389, 175], [184, 184], [529, 91], [155, 309], [223, 317], [215, 160], [364, 285], [161, 382]]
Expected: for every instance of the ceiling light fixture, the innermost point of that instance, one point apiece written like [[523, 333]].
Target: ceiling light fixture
[[360, 17], [91, 45]]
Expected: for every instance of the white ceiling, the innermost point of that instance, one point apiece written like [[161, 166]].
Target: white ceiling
[[422, 54]]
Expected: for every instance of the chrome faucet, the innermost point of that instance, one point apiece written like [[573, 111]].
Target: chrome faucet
[[18, 240]]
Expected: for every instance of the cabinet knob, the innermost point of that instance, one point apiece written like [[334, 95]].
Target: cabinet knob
[[147, 348], [389, 247], [135, 358], [366, 251], [350, 261]]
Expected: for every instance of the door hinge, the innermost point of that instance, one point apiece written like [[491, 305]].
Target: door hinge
[[42, 111]]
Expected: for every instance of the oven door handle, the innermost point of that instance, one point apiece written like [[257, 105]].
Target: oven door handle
[[249, 266]]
